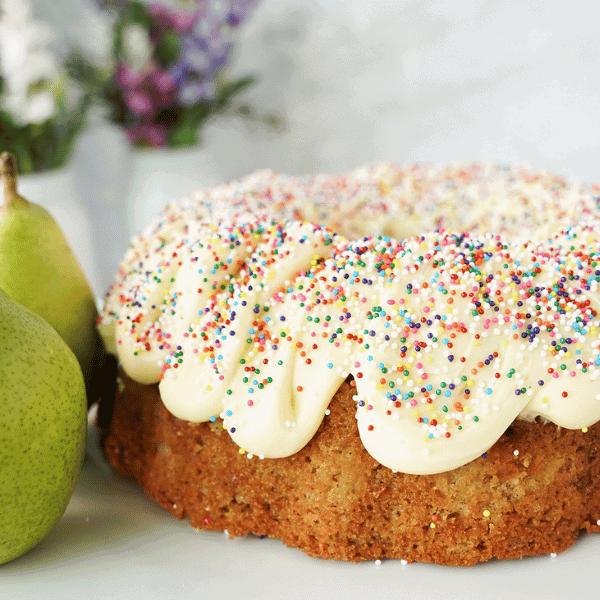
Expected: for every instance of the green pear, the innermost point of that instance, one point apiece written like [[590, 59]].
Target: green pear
[[42, 427], [39, 271]]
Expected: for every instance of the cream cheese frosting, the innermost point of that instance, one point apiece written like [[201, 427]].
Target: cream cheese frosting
[[244, 309]]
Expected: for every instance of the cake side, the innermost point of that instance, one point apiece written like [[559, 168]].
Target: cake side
[[532, 493]]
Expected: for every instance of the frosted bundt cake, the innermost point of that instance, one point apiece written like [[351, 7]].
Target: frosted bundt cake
[[392, 363]]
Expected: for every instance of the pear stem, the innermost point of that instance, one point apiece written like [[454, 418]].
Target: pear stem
[[9, 174]]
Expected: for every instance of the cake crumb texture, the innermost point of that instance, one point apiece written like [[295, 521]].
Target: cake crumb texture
[[532, 493]]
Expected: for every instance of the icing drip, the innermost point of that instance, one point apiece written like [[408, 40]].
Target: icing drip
[[448, 337]]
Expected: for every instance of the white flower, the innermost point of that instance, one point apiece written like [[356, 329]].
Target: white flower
[[18, 12], [27, 67], [137, 47], [40, 107]]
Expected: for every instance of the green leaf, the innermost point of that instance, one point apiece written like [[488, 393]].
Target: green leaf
[[269, 119], [138, 13], [168, 49], [183, 124], [229, 90], [182, 136], [43, 146], [24, 159]]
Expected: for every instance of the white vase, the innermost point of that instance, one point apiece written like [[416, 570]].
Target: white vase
[[103, 165], [55, 191], [161, 176]]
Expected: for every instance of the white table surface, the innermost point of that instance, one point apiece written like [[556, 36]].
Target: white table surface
[[115, 543]]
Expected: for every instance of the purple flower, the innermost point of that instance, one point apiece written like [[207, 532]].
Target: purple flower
[[195, 53], [190, 48], [239, 11], [192, 92]]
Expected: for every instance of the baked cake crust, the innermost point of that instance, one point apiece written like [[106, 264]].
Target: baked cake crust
[[470, 305], [532, 493]]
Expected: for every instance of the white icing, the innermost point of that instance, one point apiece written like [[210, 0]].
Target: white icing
[[201, 296]]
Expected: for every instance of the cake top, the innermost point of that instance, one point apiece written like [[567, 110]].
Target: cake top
[[398, 201], [471, 302]]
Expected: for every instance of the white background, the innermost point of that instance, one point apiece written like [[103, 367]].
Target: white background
[[405, 80], [360, 81]]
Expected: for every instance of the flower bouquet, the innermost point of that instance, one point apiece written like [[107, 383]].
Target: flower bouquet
[[42, 110], [167, 76]]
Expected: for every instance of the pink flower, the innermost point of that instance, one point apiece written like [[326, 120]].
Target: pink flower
[[147, 135], [180, 21], [127, 78], [163, 81], [158, 12], [170, 65], [139, 102], [183, 21]]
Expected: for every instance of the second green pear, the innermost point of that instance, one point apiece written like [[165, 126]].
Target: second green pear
[[39, 271]]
